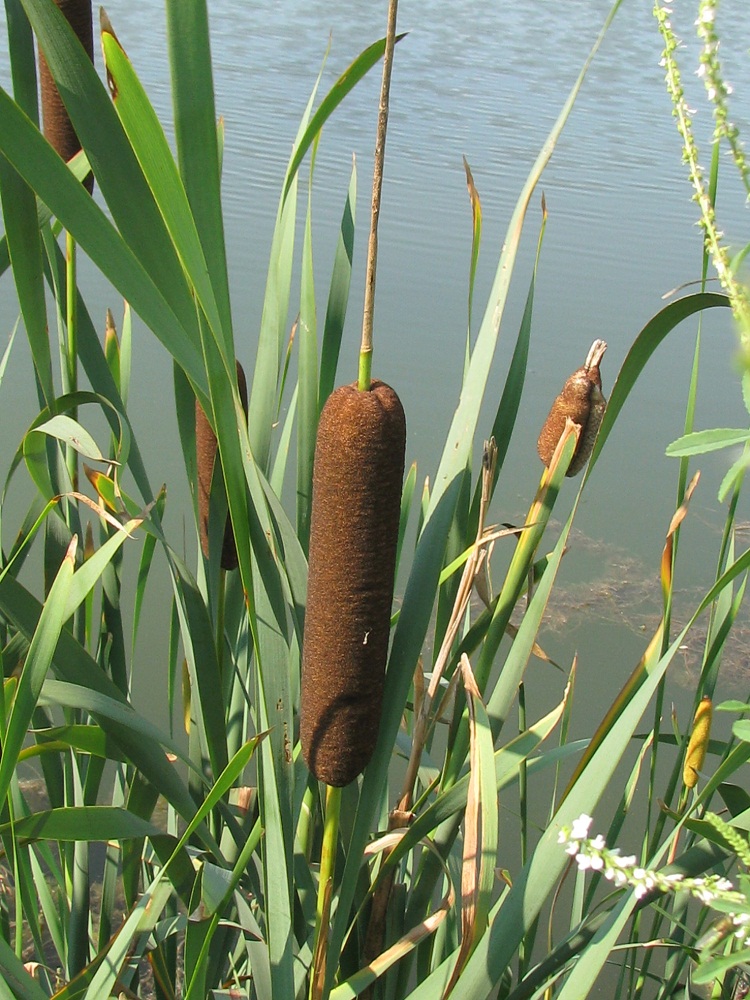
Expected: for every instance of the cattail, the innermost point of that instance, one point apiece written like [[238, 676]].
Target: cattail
[[205, 450], [696, 751], [58, 127], [357, 479], [581, 399]]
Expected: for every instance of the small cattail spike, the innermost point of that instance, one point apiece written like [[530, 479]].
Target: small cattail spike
[[581, 401]]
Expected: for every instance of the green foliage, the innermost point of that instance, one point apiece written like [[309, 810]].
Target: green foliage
[[217, 870]]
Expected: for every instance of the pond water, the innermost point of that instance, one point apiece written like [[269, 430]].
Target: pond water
[[485, 81]]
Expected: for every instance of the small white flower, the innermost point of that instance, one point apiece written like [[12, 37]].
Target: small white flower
[[581, 827], [640, 891], [598, 843], [572, 847], [584, 862], [597, 863]]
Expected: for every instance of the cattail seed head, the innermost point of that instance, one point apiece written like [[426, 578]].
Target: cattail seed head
[[582, 401], [205, 451], [356, 499], [58, 127], [698, 743]]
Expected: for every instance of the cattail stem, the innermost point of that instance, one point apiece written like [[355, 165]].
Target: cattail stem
[[325, 889], [365, 356]]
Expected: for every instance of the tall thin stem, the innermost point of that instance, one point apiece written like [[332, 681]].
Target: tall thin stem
[[365, 352], [325, 891]]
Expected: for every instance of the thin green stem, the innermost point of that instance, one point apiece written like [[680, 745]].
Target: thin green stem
[[325, 888]]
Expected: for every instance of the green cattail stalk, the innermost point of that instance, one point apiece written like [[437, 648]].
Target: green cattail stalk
[[582, 401], [357, 478], [698, 743], [58, 127], [205, 450]]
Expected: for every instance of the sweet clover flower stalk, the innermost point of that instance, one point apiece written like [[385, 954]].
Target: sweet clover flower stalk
[[717, 92], [716, 891]]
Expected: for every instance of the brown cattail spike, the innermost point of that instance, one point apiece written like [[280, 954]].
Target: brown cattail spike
[[58, 127], [582, 401], [205, 451], [357, 479]]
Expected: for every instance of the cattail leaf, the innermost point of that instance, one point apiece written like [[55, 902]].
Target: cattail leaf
[[476, 240], [281, 457], [307, 375], [30, 153], [345, 83], [112, 159], [512, 916], [77, 667], [145, 914], [507, 411], [90, 739], [480, 826], [24, 242], [507, 765], [36, 665], [71, 433], [515, 579], [338, 294], [106, 707], [406, 944], [264, 401], [200, 651], [198, 138], [150, 146], [16, 977], [407, 496], [643, 347], [81, 824]]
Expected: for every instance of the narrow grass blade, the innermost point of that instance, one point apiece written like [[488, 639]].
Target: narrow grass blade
[[149, 907], [480, 828], [35, 160], [81, 824], [307, 377], [150, 146], [36, 666], [460, 437], [476, 241], [197, 137], [25, 248], [338, 294], [345, 83], [643, 347], [111, 157]]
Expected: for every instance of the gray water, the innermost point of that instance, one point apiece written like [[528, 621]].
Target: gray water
[[485, 81]]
